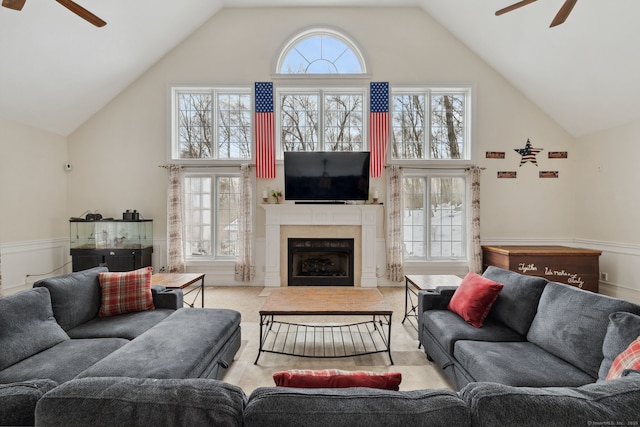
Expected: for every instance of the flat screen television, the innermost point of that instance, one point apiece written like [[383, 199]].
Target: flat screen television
[[326, 176]]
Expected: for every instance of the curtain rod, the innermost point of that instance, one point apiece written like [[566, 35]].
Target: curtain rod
[[433, 168], [206, 166]]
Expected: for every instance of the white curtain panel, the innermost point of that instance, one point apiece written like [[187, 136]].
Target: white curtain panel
[[395, 263], [244, 268], [475, 249], [175, 213]]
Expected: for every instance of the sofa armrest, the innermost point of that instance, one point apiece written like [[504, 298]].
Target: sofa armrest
[[18, 401], [437, 299], [167, 298]]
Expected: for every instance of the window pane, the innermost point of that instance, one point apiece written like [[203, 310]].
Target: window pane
[[320, 54], [228, 194], [194, 125], [197, 216], [408, 126], [447, 217], [299, 122], [234, 126], [447, 126], [414, 217], [439, 232], [343, 114]]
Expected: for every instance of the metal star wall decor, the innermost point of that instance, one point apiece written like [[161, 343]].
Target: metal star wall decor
[[528, 153]]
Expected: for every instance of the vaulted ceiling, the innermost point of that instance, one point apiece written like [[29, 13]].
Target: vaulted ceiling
[[56, 70]]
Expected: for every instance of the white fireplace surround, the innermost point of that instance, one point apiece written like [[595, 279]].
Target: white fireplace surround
[[363, 216]]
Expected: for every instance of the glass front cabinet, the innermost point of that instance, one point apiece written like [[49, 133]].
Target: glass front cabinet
[[120, 245]]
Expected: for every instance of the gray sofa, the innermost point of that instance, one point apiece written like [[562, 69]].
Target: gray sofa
[[52, 334], [203, 402], [537, 334]]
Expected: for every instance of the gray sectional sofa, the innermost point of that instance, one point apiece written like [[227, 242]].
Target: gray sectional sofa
[[52, 334], [125, 398], [537, 334]]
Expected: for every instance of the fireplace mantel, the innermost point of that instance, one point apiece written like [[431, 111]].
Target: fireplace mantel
[[363, 216]]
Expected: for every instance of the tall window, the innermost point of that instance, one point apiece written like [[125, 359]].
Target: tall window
[[434, 217], [211, 216], [430, 124], [321, 120], [211, 124]]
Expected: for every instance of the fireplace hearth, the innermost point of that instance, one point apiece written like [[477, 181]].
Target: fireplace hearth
[[320, 262]]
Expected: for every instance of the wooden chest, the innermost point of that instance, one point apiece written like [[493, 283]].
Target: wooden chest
[[573, 266]]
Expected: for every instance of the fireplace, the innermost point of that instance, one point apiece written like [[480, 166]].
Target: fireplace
[[320, 262], [287, 220]]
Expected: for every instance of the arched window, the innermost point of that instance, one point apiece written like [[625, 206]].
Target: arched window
[[320, 51]]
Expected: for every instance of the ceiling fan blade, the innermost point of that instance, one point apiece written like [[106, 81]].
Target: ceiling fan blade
[[514, 6], [82, 12], [563, 13], [14, 4]]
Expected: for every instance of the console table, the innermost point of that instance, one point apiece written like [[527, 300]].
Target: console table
[[572, 266]]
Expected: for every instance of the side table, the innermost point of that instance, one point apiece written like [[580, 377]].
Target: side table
[[415, 283], [181, 281]]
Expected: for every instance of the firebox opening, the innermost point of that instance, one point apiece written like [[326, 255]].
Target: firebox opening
[[318, 262]]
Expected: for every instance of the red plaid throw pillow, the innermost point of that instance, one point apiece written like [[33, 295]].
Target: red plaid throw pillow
[[628, 359], [335, 378], [125, 292]]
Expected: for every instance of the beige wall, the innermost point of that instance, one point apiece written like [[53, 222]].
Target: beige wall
[[118, 151], [607, 205], [33, 184], [33, 205]]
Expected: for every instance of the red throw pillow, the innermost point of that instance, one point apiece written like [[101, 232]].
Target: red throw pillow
[[335, 378], [125, 292], [628, 359], [474, 297]]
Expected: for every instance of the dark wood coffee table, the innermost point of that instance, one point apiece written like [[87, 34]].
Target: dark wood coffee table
[[324, 339]]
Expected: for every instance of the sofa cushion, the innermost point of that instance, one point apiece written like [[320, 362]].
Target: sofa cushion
[[27, 326], [142, 402], [517, 303], [448, 327], [18, 401], [622, 330], [615, 402], [517, 364], [128, 325], [331, 407], [628, 359], [75, 297], [192, 336], [125, 292], [571, 323], [63, 361], [474, 297], [336, 378]]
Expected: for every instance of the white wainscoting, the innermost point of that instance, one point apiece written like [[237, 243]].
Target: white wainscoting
[[26, 262]]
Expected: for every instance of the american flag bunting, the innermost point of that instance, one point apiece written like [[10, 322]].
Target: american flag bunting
[[378, 126], [264, 131]]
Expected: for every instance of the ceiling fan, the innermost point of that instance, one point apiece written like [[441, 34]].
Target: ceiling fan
[[72, 6], [561, 16]]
